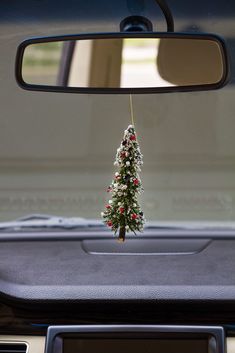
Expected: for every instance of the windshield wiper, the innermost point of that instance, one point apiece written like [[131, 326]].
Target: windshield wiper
[[41, 221], [48, 221]]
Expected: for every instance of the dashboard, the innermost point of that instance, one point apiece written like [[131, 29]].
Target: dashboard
[[37, 344], [160, 266], [167, 280]]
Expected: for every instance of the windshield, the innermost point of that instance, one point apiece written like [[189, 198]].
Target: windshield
[[57, 150]]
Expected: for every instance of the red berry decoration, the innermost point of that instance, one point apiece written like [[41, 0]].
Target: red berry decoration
[[136, 181], [133, 138], [124, 209]]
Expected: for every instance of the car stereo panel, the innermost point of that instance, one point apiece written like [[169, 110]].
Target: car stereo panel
[[135, 339]]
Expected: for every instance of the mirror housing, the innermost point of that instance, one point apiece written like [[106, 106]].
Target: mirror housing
[[181, 62]]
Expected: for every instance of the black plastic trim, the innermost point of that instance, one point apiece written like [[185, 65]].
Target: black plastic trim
[[167, 13], [136, 23], [203, 36]]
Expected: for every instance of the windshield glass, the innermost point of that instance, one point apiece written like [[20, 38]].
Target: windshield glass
[[57, 150]]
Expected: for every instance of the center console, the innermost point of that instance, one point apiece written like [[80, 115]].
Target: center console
[[135, 339]]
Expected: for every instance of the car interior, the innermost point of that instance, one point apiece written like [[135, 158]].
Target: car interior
[[73, 76]]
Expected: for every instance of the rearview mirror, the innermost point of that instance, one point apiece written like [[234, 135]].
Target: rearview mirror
[[122, 63]]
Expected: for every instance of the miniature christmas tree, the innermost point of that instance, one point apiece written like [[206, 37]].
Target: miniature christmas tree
[[123, 212]]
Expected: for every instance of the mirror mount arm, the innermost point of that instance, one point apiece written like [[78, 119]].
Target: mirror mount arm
[[142, 24]]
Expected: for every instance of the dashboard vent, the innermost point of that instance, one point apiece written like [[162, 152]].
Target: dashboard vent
[[13, 348]]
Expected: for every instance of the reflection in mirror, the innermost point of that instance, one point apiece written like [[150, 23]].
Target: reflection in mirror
[[123, 63]]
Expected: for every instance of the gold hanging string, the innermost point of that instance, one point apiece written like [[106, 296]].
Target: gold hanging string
[[131, 109]]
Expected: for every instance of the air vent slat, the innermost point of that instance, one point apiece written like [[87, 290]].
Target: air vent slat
[[10, 351], [13, 348]]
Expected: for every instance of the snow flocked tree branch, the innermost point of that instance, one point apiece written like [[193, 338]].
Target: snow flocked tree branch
[[123, 211]]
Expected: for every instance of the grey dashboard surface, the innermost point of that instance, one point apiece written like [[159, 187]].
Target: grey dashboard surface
[[75, 269]]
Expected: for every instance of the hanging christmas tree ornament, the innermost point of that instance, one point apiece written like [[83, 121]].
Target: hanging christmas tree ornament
[[123, 213]]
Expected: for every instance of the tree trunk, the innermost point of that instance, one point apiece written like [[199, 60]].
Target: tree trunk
[[122, 234]]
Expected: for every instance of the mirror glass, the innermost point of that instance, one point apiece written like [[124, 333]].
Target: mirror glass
[[123, 63]]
